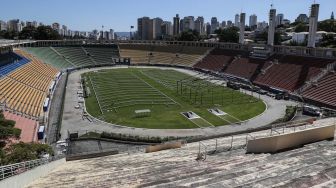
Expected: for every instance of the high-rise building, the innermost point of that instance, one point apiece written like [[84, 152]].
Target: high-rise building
[[279, 19], [223, 24], [208, 28], [236, 23], [56, 26], [176, 26], [262, 25], [214, 24], [302, 18], [271, 28], [199, 25], [3, 26], [188, 23], [314, 11], [143, 28], [111, 34], [167, 28], [14, 25], [155, 28], [253, 21], [242, 28], [229, 23], [65, 30], [332, 16]]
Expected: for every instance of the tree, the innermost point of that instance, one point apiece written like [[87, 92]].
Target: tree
[[301, 27], [28, 33], [191, 35], [327, 25], [228, 34], [24, 152], [47, 33], [7, 129], [264, 37]]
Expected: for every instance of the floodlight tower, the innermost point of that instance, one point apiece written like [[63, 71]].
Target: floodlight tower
[[314, 11], [271, 26], [242, 28]]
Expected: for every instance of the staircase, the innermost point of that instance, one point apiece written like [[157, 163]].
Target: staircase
[[53, 49], [87, 53], [331, 67]]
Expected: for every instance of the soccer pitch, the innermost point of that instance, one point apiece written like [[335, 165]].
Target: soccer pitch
[[116, 94]]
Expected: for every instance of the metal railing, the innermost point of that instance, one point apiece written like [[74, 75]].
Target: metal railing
[[18, 168]]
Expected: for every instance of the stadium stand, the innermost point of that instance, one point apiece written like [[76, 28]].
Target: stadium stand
[[22, 98], [311, 165], [323, 91], [49, 56], [35, 74], [244, 67], [165, 54], [11, 61], [28, 127], [291, 72], [103, 55], [24, 90], [216, 60], [76, 55]]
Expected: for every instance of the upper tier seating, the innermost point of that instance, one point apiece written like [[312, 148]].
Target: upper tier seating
[[9, 62], [49, 56], [76, 55], [311, 165], [324, 91], [291, 72]]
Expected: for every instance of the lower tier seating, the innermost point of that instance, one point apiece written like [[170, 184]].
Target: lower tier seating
[[291, 72], [324, 91], [21, 98]]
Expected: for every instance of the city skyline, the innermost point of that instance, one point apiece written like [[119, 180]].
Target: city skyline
[[115, 15]]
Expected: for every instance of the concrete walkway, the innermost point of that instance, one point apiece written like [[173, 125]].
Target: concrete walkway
[[73, 122]]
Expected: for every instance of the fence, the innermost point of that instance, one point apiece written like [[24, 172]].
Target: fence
[[18, 168]]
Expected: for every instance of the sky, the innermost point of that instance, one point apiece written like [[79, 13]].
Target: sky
[[86, 15]]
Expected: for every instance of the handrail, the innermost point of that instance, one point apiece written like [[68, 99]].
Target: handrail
[[18, 168]]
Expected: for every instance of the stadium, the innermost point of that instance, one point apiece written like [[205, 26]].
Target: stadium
[[149, 113]]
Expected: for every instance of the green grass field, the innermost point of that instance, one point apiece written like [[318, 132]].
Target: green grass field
[[122, 91]]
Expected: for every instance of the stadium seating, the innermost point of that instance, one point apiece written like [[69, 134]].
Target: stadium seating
[[323, 91], [102, 55], [8, 58], [291, 72], [165, 54], [49, 56], [76, 55], [10, 62], [215, 61], [28, 127], [21, 98], [311, 165], [25, 89], [244, 67]]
